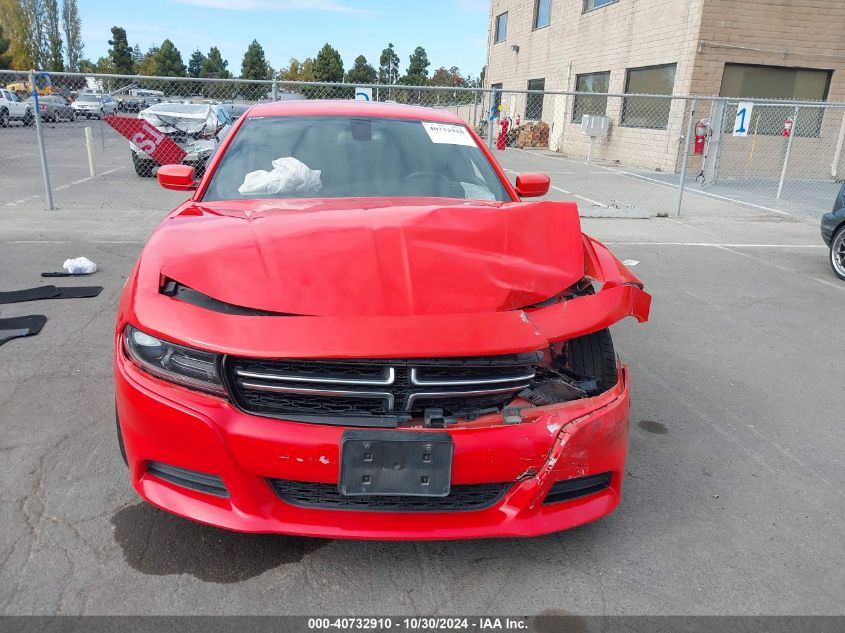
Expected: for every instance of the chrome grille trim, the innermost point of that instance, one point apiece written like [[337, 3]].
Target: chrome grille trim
[[303, 391], [388, 380], [415, 380], [381, 390], [451, 394]]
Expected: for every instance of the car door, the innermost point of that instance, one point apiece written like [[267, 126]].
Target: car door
[[65, 111], [17, 108]]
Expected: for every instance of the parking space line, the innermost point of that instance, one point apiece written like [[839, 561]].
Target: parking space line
[[715, 244], [662, 183], [73, 242], [584, 198], [89, 178], [838, 286]]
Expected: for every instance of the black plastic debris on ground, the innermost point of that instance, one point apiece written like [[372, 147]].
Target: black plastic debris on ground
[[49, 292], [16, 327]]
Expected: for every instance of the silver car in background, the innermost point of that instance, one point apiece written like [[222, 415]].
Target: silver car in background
[[198, 128], [53, 108], [89, 105]]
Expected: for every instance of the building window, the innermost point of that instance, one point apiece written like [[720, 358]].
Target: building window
[[776, 82], [591, 82], [542, 13], [643, 111], [497, 99], [534, 102], [589, 5], [501, 27]]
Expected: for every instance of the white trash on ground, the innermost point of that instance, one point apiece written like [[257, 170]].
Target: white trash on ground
[[80, 266], [289, 175]]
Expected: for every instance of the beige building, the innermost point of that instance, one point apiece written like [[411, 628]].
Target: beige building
[[783, 49]]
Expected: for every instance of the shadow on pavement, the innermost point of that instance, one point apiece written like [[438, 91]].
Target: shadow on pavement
[[157, 543]]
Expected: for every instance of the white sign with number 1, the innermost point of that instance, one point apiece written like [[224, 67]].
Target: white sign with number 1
[[743, 118]]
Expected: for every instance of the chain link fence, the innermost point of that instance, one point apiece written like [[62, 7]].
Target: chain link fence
[[791, 153]]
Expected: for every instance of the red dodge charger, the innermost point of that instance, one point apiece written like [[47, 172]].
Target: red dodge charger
[[356, 328]]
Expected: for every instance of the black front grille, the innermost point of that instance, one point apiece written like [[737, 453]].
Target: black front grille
[[569, 489], [378, 388], [316, 495]]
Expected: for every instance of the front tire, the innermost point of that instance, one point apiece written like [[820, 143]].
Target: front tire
[[593, 356], [837, 253], [143, 168], [28, 118], [4, 118]]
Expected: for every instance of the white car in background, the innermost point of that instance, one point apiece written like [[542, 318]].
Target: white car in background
[[198, 128], [88, 105], [13, 109]]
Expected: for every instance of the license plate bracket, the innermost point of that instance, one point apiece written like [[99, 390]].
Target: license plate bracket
[[395, 463]]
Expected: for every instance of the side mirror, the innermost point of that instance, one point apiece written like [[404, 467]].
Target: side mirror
[[532, 185], [177, 177]]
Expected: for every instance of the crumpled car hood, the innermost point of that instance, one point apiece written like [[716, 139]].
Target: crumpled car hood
[[370, 257]]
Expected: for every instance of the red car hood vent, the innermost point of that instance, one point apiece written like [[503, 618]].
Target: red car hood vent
[[370, 258]]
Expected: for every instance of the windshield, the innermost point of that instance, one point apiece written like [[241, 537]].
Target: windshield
[[88, 98], [341, 156]]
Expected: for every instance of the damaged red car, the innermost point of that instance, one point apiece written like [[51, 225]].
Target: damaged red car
[[357, 328]]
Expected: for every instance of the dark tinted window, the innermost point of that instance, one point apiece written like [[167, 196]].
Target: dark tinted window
[[501, 27], [534, 102], [542, 13], [591, 82], [357, 157], [642, 111]]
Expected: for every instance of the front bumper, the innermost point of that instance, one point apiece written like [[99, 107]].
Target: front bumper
[[197, 152], [829, 223], [165, 423]]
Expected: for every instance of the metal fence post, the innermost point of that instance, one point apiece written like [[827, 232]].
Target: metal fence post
[[491, 118], [792, 134], [275, 90], [39, 133], [686, 157], [837, 153]]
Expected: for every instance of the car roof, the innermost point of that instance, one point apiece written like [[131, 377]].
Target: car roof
[[349, 107]]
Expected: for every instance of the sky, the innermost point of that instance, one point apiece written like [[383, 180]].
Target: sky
[[453, 32]]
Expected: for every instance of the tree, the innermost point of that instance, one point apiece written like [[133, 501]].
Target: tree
[[361, 72], [54, 59], [195, 63], [137, 56], [417, 72], [34, 34], [254, 64], [388, 65], [482, 77], [168, 61], [120, 53], [5, 58], [449, 77], [72, 25], [328, 66], [214, 66], [148, 62], [298, 71], [16, 30]]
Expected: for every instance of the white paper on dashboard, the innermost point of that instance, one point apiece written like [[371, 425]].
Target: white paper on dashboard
[[448, 133]]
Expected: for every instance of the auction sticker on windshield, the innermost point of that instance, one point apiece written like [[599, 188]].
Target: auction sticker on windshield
[[446, 133]]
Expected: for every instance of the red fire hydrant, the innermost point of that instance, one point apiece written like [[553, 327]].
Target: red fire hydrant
[[700, 137], [787, 127], [502, 140]]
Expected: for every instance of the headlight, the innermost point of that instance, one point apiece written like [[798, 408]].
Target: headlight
[[183, 365]]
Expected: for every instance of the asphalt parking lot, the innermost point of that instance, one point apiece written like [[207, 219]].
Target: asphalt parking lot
[[733, 501]]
